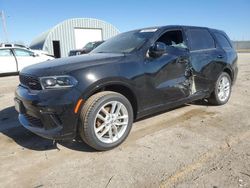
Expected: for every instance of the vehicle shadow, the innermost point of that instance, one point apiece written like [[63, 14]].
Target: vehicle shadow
[[197, 103], [201, 103], [10, 127]]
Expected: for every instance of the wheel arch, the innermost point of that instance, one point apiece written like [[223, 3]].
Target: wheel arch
[[116, 86], [225, 68], [229, 72]]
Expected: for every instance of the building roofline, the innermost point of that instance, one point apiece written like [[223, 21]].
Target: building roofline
[[43, 37]]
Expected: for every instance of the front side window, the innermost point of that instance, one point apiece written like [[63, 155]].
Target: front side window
[[200, 39], [173, 38], [5, 53], [223, 41], [20, 52]]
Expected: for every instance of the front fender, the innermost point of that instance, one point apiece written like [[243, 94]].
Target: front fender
[[100, 84]]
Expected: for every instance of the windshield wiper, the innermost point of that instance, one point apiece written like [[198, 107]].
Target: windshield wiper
[[103, 52], [124, 53]]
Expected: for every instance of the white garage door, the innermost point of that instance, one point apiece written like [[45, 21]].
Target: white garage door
[[83, 36]]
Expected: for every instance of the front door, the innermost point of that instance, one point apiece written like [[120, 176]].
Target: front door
[[7, 61], [168, 76], [24, 58]]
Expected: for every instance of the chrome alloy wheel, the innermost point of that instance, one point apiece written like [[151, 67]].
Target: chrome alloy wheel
[[224, 88], [111, 122]]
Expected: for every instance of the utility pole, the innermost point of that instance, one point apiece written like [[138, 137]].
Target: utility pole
[[4, 26]]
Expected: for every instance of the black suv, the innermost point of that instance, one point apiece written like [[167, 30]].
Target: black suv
[[86, 49], [129, 76]]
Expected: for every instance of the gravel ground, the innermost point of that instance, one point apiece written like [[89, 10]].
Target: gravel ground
[[192, 146]]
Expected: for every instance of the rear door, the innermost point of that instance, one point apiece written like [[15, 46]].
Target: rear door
[[203, 55], [7, 61], [226, 45]]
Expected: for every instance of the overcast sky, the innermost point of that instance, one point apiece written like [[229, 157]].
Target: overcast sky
[[26, 19]]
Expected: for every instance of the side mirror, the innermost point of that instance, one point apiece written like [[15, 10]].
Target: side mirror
[[157, 50]]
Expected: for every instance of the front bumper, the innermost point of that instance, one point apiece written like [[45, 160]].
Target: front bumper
[[48, 113]]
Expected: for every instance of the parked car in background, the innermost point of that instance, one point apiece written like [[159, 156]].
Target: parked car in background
[[86, 49], [14, 59], [130, 76]]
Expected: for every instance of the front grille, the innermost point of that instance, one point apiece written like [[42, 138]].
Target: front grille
[[34, 121], [30, 82]]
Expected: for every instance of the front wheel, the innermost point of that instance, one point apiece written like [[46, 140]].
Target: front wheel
[[105, 120], [222, 90]]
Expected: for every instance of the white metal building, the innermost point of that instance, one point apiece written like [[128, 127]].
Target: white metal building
[[73, 34]]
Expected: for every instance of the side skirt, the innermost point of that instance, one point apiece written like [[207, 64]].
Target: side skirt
[[170, 105]]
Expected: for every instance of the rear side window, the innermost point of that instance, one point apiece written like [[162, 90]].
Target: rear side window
[[200, 39], [21, 52], [223, 41]]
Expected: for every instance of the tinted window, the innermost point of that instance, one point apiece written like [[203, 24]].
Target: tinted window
[[20, 52], [89, 45], [97, 44], [5, 53], [222, 40], [200, 39]]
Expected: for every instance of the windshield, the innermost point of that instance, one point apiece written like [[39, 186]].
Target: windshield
[[125, 42]]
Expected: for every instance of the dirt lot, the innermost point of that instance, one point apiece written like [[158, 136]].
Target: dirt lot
[[193, 146]]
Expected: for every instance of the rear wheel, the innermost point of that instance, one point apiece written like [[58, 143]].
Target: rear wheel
[[105, 120], [222, 90]]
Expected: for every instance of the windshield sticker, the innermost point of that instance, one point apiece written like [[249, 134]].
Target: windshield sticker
[[148, 30]]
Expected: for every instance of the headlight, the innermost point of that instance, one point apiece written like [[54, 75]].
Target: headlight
[[54, 82]]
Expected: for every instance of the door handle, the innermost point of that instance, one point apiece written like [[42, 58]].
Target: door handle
[[220, 56]]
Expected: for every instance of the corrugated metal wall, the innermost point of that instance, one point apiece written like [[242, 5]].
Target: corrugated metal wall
[[64, 32]]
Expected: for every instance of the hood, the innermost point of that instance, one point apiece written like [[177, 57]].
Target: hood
[[66, 65]]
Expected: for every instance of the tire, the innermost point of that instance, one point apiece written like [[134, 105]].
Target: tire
[[216, 97], [97, 118]]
